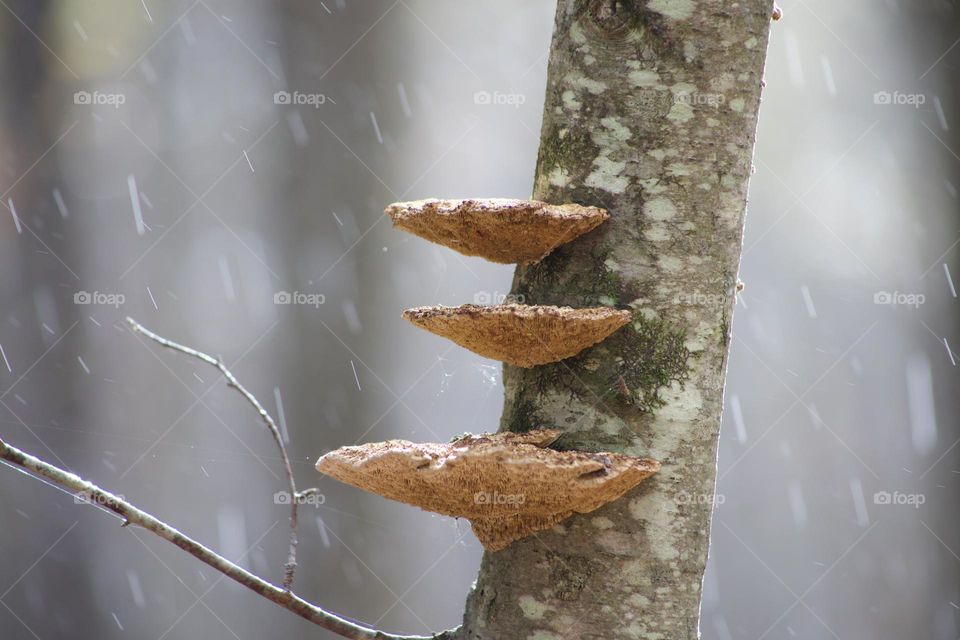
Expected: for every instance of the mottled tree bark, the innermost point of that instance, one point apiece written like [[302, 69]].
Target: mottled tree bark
[[651, 112]]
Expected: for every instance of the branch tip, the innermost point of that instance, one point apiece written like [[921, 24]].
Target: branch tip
[[268, 421]]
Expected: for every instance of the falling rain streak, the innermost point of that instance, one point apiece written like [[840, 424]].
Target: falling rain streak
[[355, 376], [946, 270], [135, 203], [13, 212], [281, 417], [61, 206], [376, 127], [808, 302]]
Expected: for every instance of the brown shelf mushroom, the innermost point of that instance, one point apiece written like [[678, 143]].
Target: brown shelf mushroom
[[507, 484], [520, 334], [498, 229]]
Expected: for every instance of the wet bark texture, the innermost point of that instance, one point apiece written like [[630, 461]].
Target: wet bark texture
[[651, 112]]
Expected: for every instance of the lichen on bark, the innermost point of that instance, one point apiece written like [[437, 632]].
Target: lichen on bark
[[650, 113], [649, 355]]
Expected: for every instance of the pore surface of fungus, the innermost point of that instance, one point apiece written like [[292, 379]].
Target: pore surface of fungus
[[524, 335], [508, 485], [497, 229]]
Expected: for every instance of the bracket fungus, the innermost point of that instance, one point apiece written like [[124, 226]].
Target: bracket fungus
[[508, 485], [524, 335], [498, 229]]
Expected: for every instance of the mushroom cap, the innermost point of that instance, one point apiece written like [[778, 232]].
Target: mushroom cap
[[524, 335], [507, 484], [498, 229]]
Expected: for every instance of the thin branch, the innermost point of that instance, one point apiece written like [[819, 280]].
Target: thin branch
[[134, 516], [290, 567]]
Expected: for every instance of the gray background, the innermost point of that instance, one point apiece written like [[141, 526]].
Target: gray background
[[831, 398]]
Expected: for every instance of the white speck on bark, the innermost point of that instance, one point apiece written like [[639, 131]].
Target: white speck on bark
[[617, 130], [680, 113], [618, 543], [678, 169], [683, 403], [644, 78], [705, 332], [543, 635], [670, 264], [635, 573], [675, 9], [577, 35], [660, 209], [652, 186], [659, 517], [607, 176], [559, 177], [532, 608], [593, 86], [657, 232], [582, 82], [611, 139]]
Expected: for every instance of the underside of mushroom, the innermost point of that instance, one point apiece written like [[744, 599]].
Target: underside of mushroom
[[523, 335], [498, 229], [508, 485]]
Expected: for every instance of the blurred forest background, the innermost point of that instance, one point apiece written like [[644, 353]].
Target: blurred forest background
[[180, 188]]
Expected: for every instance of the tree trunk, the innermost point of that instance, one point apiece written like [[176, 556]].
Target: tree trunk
[[651, 112]]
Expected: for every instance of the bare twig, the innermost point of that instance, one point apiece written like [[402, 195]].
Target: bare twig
[[290, 567], [133, 516]]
